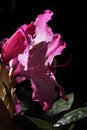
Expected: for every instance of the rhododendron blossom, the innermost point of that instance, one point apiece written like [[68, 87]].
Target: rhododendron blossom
[[17, 43], [34, 47]]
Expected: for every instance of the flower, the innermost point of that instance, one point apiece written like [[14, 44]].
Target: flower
[[34, 47], [17, 43]]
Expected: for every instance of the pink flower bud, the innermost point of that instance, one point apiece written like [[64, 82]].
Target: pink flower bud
[[14, 46]]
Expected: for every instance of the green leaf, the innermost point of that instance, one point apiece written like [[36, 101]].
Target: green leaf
[[25, 98], [72, 116], [61, 105], [71, 127], [42, 124]]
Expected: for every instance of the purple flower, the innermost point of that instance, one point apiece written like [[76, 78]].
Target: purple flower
[[35, 61]]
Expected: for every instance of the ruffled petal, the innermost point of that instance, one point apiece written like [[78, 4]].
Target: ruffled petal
[[43, 90], [55, 48], [43, 30]]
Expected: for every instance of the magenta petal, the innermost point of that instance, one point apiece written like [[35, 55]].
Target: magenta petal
[[43, 90], [37, 56], [55, 47], [18, 42], [43, 30], [19, 72], [14, 46], [17, 104]]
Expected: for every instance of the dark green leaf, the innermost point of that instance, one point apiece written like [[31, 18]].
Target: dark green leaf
[[72, 116], [24, 96], [61, 105], [71, 127], [42, 124]]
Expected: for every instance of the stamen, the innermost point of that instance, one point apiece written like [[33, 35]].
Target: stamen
[[65, 64], [52, 68]]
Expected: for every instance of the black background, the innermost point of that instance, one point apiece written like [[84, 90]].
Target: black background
[[69, 20]]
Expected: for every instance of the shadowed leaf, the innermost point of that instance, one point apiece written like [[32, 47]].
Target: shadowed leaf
[[72, 116], [61, 105], [42, 124]]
